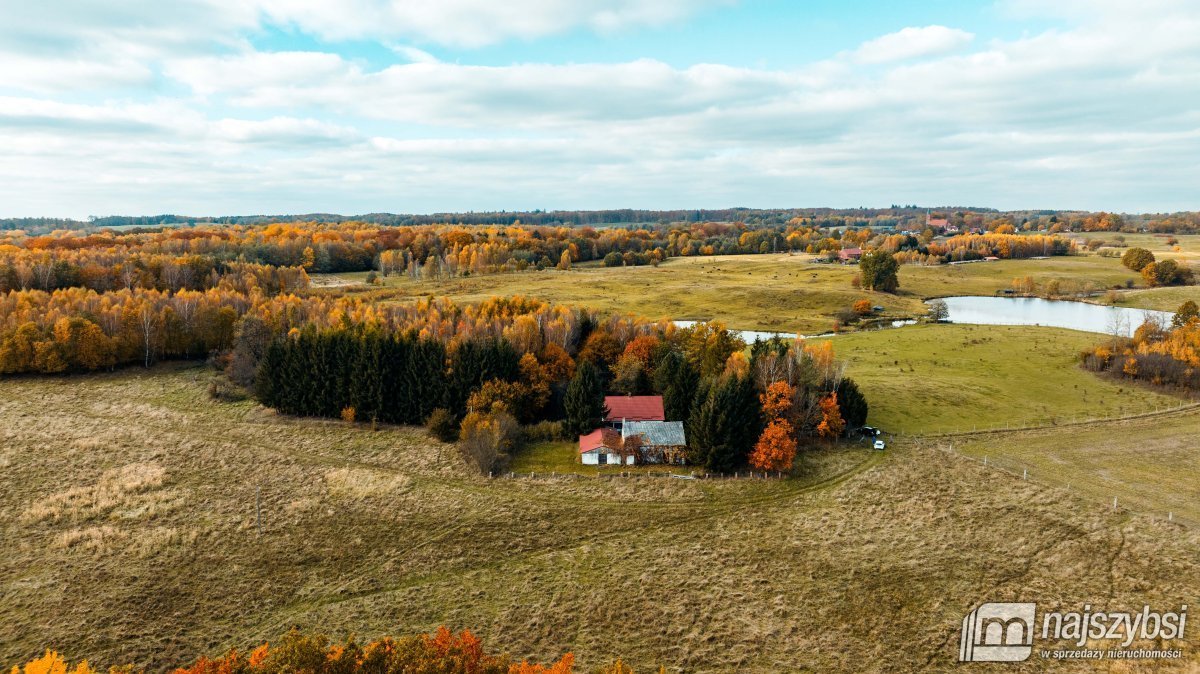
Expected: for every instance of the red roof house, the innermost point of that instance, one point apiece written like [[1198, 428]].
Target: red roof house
[[634, 408], [847, 254], [601, 448]]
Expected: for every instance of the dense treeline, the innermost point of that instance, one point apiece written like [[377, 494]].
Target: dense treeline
[[1162, 355], [116, 268], [190, 257], [390, 378], [964, 247]]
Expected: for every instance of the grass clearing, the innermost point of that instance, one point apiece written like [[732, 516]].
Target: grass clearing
[[868, 562], [1148, 463], [939, 378], [782, 293]]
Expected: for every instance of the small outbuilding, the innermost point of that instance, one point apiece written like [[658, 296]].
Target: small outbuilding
[[601, 447], [657, 441]]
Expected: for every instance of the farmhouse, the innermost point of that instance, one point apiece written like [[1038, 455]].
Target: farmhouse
[[658, 441], [847, 255], [632, 408], [602, 447]]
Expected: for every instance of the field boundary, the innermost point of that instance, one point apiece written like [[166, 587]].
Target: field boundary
[[1020, 471], [1161, 411]]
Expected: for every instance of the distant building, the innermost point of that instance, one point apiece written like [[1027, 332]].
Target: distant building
[[942, 224], [850, 255]]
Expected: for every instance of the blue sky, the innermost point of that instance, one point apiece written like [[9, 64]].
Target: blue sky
[[291, 106]]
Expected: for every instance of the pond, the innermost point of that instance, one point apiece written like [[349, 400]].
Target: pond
[[1054, 313], [747, 336]]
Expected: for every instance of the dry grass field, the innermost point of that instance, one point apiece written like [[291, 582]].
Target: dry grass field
[[127, 508], [1124, 459], [783, 293]]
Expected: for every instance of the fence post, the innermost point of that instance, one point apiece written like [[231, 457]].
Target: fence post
[[1025, 474], [1114, 503]]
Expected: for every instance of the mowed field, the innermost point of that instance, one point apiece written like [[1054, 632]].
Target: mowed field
[[128, 515]]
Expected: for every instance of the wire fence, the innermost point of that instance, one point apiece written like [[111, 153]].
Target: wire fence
[[1113, 500], [1053, 422]]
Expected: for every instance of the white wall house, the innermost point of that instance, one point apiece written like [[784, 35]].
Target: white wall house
[[593, 452]]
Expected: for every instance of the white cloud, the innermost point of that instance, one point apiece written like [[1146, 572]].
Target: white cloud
[[912, 42], [1099, 114], [472, 23]]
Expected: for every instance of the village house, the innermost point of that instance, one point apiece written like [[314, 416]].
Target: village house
[[603, 447], [632, 408], [849, 255], [635, 431]]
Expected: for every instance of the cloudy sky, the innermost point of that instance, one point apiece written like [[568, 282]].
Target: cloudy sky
[[290, 106]]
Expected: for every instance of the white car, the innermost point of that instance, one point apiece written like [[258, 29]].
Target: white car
[[879, 444]]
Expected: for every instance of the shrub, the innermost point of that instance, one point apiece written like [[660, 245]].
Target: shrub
[[543, 431], [225, 391], [442, 425], [348, 414], [862, 307], [613, 259], [484, 438]]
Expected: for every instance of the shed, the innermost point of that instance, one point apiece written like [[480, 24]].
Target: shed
[[598, 448]]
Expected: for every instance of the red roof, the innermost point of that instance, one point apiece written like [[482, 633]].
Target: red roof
[[634, 408], [595, 439], [591, 441], [847, 253], [938, 222]]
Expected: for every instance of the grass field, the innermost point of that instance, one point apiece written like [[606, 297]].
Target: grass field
[[1162, 299], [1188, 244], [1149, 463], [783, 293], [939, 378], [128, 504]]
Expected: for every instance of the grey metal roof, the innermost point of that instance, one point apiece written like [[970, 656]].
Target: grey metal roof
[[656, 433]]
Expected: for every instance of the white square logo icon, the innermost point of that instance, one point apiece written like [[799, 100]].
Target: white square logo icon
[[997, 633]]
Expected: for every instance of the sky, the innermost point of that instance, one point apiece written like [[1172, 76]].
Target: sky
[[224, 107]]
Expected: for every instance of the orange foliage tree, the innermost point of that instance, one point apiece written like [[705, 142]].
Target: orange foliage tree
[[776, 447], [832, 425]]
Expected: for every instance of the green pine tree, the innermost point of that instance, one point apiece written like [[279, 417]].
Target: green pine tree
[[585, 401]]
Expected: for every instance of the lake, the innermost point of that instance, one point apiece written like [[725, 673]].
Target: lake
[[1054, 313]]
